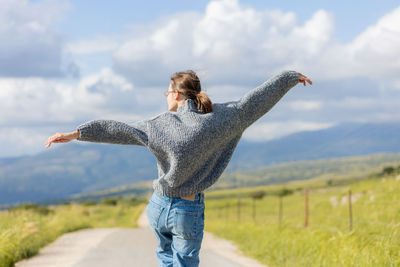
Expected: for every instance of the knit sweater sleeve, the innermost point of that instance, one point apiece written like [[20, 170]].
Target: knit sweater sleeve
[[261, 99], [114, 132]]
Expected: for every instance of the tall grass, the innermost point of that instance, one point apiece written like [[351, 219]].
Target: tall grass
[[23, 231], [327, 241]]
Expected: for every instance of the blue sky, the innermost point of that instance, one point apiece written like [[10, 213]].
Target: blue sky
[[65, 62]]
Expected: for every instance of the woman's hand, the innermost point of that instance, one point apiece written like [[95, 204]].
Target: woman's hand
[[62, 138], [303, 79]]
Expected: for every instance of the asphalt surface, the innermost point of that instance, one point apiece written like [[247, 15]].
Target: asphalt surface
[[110, 247]]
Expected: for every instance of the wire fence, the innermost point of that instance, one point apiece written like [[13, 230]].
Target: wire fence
[[352, 214]]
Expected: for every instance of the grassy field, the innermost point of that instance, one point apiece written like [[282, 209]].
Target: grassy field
[[27, 228], [374, 239]]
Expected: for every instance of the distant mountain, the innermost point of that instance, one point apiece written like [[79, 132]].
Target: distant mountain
[[79, 168], [348, 139], [73, 168]]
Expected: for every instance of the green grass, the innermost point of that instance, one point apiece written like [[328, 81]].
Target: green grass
[[327, 241], [24, 230]]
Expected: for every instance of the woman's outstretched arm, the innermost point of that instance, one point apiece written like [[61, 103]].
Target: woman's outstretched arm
[[105, 131], [261, 99]]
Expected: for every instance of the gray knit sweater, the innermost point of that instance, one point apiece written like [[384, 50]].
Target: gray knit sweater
[[192, 148]]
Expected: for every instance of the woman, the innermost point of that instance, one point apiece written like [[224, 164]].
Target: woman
[[193, 143]]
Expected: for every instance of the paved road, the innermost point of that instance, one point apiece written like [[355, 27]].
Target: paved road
[[110, 247]]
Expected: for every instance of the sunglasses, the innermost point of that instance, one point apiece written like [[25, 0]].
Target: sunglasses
[[166, 93]]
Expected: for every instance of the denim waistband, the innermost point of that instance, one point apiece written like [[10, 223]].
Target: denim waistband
[[199, 198]]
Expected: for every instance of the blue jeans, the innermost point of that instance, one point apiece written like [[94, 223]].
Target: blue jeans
[[178, 225]]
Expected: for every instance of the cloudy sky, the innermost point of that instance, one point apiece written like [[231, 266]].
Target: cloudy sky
[[66, 62]]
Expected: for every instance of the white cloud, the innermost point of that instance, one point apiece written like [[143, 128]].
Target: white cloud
[[305, 105], [272, 130], [37, 100], [239, 45], [233, 44], [373, 54], [91, 46], [376, 50], [146, 58]]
